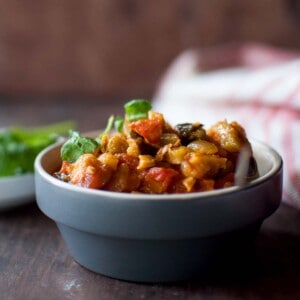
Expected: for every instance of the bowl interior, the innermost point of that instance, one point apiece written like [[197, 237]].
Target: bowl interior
[[268, 163], [168, 216]]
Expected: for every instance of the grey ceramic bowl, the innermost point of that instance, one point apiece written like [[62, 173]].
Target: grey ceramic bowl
[[158, 238]]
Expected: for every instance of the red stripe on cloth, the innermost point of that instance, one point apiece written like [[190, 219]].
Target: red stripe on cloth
[[288, 198], [273, 111], [293, 173], [288, 147], [255, 104], [258, 98], [293, 95]]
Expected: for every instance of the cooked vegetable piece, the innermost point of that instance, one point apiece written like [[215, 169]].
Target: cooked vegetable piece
[[159, 180], [190, 131], [199, 166], [203, 147], [109, 160], [117, 144], [150, 129], [170, 138], [126, 177], [87, 172], [176, 155], [229, 136], [188, 183], [146, 162]]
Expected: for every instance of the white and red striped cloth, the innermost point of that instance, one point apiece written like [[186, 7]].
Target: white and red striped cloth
[[256, 85]]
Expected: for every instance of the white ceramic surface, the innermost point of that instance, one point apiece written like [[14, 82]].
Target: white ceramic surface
[[16, 190]]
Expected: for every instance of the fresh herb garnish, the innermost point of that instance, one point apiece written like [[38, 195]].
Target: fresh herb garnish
[[77, 145], [119, 122], [109, 125], [137, 109], [19, 146]]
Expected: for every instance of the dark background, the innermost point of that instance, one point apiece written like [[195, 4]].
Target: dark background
[[120, 48]]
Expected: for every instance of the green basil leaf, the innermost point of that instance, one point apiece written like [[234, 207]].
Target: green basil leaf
[[76, 146], [119, 122], [137, 109]]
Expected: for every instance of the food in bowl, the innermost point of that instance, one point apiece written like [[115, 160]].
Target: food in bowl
[[147, 155], [160, 237]]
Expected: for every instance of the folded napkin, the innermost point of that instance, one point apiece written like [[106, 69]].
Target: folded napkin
[[256, 85]]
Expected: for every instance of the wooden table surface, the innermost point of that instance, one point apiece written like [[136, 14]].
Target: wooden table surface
[[36, 264]]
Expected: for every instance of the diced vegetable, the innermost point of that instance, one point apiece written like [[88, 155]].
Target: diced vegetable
[[145, 154], [229, 136], [190, 131], [158, 180], [146, 162], [150, 129], [203, 147], [117, 144]]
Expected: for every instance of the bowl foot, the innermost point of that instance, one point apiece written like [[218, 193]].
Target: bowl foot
[[162, 260]]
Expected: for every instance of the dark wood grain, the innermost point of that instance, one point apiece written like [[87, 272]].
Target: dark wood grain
[[36, 264], [123, 46]]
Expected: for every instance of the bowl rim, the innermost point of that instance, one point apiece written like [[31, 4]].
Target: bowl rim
[[5, 179], [276, 159]]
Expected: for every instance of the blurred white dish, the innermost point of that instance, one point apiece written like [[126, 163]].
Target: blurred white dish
[[16, 190]]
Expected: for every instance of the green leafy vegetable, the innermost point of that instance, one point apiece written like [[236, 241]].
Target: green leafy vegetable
[[109, 125], [77, 145], [137, 109], [19, 146], [119, 122]]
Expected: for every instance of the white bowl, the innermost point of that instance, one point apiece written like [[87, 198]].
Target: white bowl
[[158, 238], [16, 190]]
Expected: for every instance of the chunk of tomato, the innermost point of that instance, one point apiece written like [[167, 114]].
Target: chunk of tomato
[[150, 129], [159, 180]]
